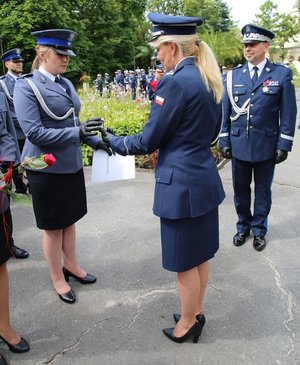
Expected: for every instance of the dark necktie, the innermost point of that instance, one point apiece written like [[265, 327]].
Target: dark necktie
[[255, 75], [63, 84]]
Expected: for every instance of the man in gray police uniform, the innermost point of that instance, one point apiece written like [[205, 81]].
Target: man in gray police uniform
[[258, 130], [14, 63]]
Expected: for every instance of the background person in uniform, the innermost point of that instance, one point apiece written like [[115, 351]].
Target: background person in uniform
[[182, 123], [258, 130], [99, 84], [58, 192], [9, 154], [14, 63]]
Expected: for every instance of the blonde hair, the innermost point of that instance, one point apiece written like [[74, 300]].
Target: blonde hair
[[37, 62], [191, 45]]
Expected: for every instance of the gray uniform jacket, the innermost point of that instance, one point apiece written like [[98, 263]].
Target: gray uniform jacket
[[45, 134], [10, 84], [9, 150]]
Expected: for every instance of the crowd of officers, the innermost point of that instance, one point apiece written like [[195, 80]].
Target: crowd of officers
[[136, 84]]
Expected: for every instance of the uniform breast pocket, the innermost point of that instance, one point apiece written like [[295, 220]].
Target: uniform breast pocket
[[238, 91], [271, 90]]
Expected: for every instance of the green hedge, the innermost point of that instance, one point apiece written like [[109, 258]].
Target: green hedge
[[125, 117]]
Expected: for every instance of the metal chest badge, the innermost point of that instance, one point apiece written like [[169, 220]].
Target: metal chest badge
[[265, 88]]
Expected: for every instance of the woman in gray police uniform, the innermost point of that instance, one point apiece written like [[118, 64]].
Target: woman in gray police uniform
[[184, 115], [47, 108]]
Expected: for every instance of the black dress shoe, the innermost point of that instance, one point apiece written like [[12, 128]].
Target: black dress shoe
[[68, 297], [240, 238], [194, 331], [18, 252], [88, 279], [200, 318], [2, 360], [22, 346], [259, 243]]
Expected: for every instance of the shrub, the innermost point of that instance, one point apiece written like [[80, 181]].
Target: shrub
[[125, 117]]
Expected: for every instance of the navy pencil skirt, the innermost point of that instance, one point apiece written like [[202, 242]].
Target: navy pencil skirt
[[188, 242]]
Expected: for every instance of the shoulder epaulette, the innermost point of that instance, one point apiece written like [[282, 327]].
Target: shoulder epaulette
[[170, 73], [281, 64], [238, 66], [25, 76], [2, 77]]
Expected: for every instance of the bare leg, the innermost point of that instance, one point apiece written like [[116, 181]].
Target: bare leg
[[6, 330], [203, 273], [52, 247], [69, 251], [188, 283]]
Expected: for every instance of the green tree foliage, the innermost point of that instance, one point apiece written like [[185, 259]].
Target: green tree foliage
[[285, 26], [226, 46], [215, 13], [108, 30]]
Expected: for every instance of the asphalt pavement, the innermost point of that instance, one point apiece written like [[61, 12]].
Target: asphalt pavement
[[251, 306]]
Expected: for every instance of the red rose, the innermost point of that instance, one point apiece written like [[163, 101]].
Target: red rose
[[8, 176], [49, 159]]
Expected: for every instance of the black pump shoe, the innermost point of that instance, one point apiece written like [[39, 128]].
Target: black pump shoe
[[194, 331], [88, 279], [22, 346], [200, 318], [68, 297]]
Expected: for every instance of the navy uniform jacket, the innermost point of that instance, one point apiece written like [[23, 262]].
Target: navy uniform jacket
[[10, 84], [272, 113], [44, 134], [9, 150], [181, 124]]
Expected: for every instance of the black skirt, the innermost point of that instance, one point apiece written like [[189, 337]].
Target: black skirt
[[188, 242], [59, 200], [5, 236]]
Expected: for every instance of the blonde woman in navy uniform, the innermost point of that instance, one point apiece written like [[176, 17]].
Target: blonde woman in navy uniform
[[47, 108], [184, 117], [258, 131], [9, 155]]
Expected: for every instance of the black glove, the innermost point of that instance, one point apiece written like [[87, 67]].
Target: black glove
[[280, 156], [106, 135], [106, 147], [226, 152], [90, 127]]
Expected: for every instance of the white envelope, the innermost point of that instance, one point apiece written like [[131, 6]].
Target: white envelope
[[111, 168]]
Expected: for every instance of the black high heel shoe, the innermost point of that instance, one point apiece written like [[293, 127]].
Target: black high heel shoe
[[22, 346], [68, 297], [194, 331], [88, 279], [200, 318]]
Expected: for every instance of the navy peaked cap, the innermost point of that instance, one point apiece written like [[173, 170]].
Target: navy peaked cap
[[173, 25], [254, 34], [13, 54], [59, 39]]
